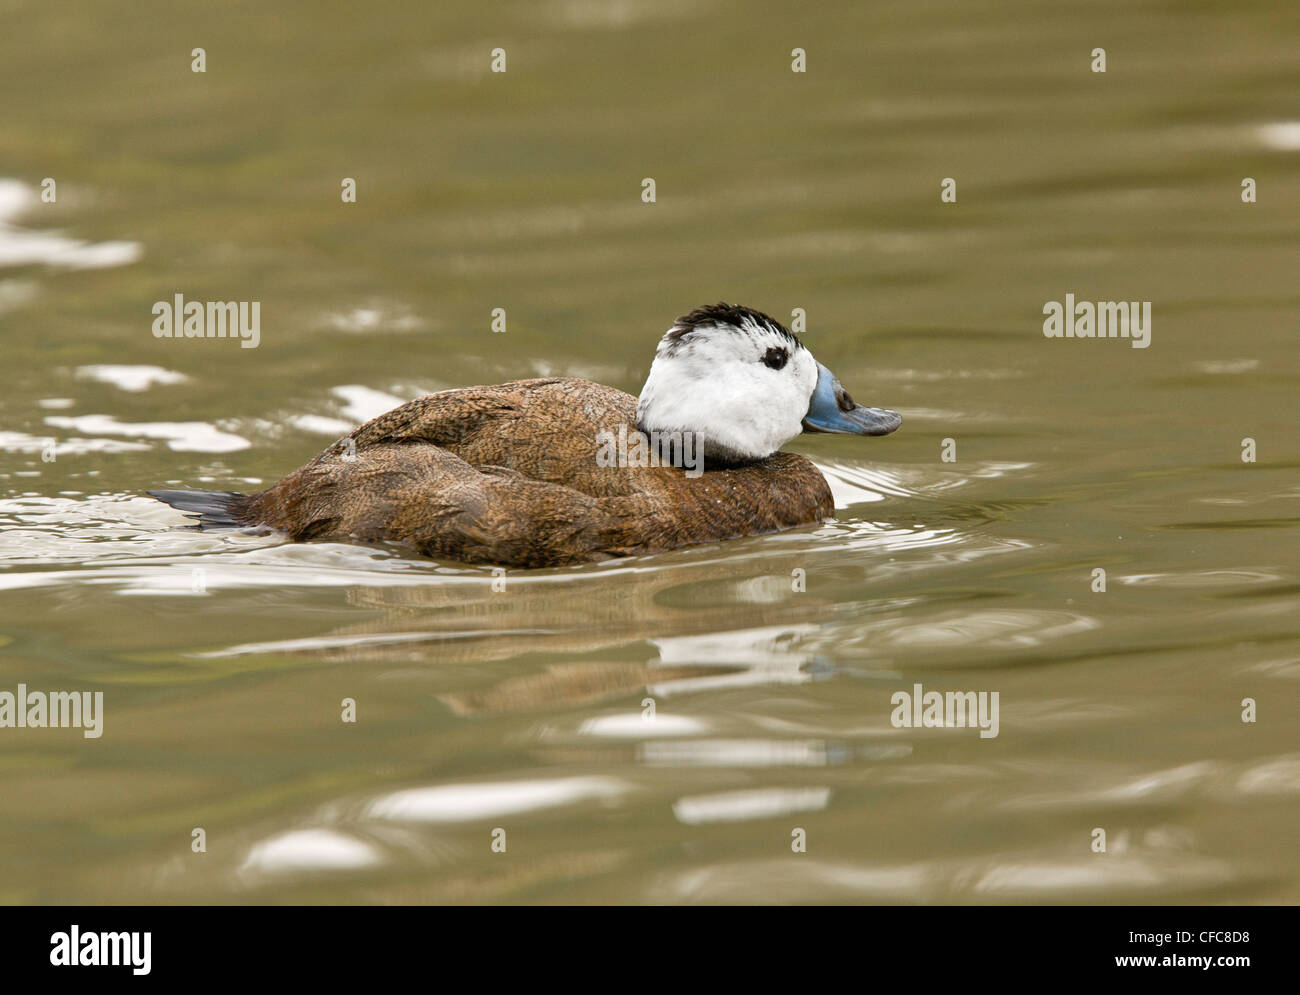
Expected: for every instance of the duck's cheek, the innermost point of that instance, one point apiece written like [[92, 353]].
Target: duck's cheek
[[793, 429]]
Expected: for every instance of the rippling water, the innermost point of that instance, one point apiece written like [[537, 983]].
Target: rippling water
[[769, 663]]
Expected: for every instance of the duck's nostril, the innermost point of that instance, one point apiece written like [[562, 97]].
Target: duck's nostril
[[845, 402]]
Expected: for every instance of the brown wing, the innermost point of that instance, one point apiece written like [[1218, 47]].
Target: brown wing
[[450, 418], [545, 429]]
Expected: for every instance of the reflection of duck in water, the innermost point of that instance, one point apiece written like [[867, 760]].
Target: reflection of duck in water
[[545, 472]]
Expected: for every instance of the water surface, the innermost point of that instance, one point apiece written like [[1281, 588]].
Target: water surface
[[224, 659]]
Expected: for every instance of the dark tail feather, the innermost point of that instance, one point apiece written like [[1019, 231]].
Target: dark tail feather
[[213, 509]]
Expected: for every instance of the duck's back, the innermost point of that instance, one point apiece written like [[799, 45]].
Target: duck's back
[[509, 474]]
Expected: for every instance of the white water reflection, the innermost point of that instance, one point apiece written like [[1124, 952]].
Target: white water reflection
[[741, 753], [191, 436], [1278, 777], [768, 655], [130, 378], [853, 483], [1200, 578], [739, 806], [360, 404], [24, 247], [635, 725], [491, 799], [21, 442], [1281, 135], [310, 850]]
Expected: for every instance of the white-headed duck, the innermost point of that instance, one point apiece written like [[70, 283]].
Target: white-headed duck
[[540, 473]]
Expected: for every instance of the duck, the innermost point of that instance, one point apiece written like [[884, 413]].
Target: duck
[[555, 471]]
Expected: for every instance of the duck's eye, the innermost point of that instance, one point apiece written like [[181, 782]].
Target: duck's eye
[[775, 358]]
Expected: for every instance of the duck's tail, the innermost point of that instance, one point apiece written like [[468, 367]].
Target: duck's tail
[[213, 509]]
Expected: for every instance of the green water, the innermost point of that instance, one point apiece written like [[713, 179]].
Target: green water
[[224, 660]]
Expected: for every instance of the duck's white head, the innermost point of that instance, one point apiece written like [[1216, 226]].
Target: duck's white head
[[744, 385]]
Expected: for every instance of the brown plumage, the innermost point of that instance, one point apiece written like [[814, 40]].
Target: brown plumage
[[518, 474], [508, 475]]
